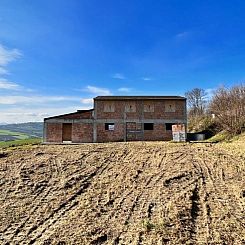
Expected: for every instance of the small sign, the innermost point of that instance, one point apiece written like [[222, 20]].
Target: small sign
[[179, 133], [111, 127]]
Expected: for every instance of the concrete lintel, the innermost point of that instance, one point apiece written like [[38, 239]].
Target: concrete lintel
[[142, 120], [116, 120]]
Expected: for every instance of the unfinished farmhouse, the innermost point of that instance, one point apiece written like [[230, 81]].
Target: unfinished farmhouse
[[119, 118]]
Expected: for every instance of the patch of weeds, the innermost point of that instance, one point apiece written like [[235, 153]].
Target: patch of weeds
[[220, 137], [148, 225], [20, 143]]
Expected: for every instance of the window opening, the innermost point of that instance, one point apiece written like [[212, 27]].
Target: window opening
[[109, 126], [148, 126], [169, 126]]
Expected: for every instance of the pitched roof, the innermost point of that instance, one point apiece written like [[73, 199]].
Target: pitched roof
[[68, 114], [139, 98]]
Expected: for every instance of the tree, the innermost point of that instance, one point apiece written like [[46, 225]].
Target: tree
[[198, 120], [228, 105], [196, 100]]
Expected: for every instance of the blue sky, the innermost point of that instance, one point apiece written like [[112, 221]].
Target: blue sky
[[57, 55]]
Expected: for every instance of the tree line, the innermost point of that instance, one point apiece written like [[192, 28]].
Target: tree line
[[224, 110]]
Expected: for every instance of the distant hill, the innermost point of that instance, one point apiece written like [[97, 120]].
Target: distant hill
[[31, 129]]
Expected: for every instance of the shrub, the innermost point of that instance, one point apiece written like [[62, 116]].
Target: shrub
[[228, 105]]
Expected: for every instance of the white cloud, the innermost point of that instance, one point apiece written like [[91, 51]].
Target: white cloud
[[181, 35], [97, 90], [20, 108], [118, 76], [19, 115], [124, 89], [87, 101], [5, 84], [23, 100], [8, 55], [146, 78]]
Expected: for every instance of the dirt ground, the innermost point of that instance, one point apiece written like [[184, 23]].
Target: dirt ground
[[123, 193]]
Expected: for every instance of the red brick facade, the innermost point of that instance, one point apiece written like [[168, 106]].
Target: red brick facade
[[120, 119], [106, 136], [82, 133], [54, 132]]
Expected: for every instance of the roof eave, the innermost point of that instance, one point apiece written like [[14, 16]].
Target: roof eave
[[67, 114], [139, 98]]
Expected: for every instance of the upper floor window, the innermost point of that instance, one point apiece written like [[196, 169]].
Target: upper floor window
[[169, 107], [109, 107], [130, 107], [148, 107]]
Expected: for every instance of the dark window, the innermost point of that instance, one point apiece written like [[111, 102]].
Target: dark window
[[109, 126], [169, 126], [148, 126]]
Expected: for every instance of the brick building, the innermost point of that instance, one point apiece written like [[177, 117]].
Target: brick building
[[119, 118]]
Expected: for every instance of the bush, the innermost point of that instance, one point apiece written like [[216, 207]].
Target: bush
[[228, 105]]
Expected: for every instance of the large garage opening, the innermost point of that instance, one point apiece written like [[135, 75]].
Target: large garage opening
[[66, 132]]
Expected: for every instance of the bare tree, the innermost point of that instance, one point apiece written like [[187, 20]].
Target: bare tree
[[228, 105], [196, 99]]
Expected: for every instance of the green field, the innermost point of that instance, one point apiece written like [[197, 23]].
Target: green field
[[10, 138], [16, 135], [4, 144], [32, 129]]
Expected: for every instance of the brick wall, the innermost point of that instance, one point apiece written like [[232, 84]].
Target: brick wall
[[141, 110], [136, 110], [158, 133], [160, 111], [106, 135], [82, 132], [168, 135], [54, 132], [103, 114]]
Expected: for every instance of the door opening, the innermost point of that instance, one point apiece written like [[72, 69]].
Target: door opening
[[134, 131], [66, 132]]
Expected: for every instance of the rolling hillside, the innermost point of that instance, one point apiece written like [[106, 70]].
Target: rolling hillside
[[20, 131]]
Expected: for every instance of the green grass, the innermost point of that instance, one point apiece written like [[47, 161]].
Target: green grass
[[20, 142], [220, 137], [226, 137], [18, 135]]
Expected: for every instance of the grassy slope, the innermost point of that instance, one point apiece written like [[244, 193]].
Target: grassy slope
[[20, 142], [18, 135], [33, 129], [235, 145]]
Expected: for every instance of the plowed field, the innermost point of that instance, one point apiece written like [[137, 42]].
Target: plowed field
[[122, 193]]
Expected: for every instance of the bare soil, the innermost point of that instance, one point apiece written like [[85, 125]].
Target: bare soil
[[122, 193]]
